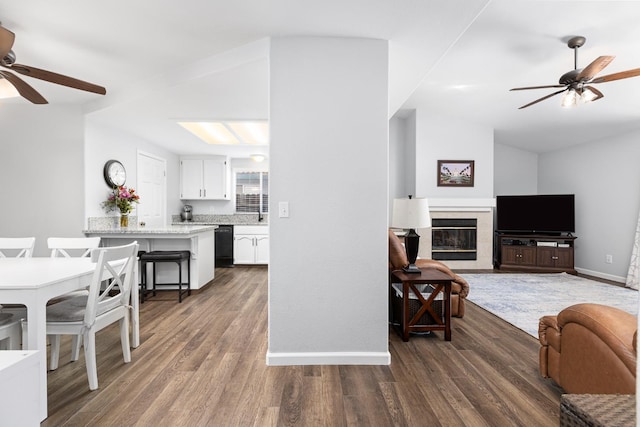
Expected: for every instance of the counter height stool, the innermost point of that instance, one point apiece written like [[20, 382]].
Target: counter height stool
[[140, 288], [178, 257]]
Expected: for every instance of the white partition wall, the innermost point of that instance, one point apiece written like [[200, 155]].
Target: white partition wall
[[328, 168]]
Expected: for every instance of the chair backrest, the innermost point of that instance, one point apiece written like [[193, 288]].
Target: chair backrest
[[115, 265], [22, 245], [79, 246], [397, 253]]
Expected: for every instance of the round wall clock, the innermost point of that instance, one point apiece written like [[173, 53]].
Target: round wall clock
[[114, 173]]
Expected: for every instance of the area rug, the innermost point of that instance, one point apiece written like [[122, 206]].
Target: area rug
[[522, 299]]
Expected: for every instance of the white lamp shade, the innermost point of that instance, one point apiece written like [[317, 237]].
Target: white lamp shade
[[411, 213]]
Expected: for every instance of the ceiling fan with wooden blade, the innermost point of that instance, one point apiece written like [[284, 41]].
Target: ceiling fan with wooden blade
[[577, 83], [8, 60]]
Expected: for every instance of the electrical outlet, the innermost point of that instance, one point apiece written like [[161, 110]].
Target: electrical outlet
[[608, 259]]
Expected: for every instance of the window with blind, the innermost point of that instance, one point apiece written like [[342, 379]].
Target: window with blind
[[252, 192]]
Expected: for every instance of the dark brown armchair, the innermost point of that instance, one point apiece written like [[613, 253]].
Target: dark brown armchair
[[459, 287]]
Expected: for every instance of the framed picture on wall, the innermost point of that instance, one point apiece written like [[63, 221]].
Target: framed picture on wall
[[455, 173]]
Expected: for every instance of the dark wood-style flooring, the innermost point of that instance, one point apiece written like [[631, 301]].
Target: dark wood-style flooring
[[202, 363]]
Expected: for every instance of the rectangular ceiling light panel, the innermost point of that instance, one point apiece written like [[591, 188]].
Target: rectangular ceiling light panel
[[254, 133], [230, 133]]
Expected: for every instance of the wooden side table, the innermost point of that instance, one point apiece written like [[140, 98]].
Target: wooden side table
[[441, 282]]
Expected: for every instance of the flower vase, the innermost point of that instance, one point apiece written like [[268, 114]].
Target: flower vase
[[124, 219]]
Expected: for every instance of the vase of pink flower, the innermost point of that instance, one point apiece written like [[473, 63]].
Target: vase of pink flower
[[122, 199]]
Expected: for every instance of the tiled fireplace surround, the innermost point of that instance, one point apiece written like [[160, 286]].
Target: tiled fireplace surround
[[480, 209]]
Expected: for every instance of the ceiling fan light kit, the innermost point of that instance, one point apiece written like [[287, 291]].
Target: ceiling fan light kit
[[8, 61], [7, 90], [576, 83]]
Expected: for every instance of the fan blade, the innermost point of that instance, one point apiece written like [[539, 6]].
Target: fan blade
[[617, 76], [596, 91], [594, 68], [536, 87], [56, 78], [542, 99], [26, 91], [6, 41]]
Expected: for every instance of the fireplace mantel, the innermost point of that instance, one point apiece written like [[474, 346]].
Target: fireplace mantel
[[461, 204]]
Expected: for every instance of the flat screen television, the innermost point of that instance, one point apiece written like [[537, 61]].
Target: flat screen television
[[550, 214]]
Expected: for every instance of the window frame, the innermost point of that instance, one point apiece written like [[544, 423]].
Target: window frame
[[264, 206]]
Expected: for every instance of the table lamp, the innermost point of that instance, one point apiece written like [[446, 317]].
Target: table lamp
[[411, 213]]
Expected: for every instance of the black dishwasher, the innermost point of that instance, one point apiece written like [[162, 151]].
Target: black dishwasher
[[224, 246]]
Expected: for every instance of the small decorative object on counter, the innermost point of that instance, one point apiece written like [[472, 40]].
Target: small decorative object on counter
[[186, 214], [121, 199]]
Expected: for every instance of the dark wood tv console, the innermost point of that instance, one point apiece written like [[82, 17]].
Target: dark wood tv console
[[535, 253]]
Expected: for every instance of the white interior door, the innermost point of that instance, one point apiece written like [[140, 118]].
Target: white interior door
[[152, 188]]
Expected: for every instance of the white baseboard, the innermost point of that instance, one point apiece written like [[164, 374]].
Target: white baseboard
[[602, 275], [329, 358]]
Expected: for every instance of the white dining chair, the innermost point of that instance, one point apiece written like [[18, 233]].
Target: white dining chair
[[10, 319], [68, 247], [10, 331], [18, 246], [87, 314], [72, 246]]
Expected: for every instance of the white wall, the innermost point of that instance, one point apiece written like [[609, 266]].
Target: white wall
[[397, 166], [42, 174], [329, 160], [605, 177], [515, 171], [105, 143], [409, 163], [446, 138]]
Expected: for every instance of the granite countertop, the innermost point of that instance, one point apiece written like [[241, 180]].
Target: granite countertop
[[203, 223], [234, 219], [181, 229]]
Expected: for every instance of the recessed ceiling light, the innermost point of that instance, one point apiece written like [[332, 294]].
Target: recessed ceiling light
[[461, 87], [230, 132], [256, 133]]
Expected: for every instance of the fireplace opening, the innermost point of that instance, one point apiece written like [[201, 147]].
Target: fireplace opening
[[454, 239]]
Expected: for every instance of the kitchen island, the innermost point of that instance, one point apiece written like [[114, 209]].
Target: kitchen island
[[198, 239]]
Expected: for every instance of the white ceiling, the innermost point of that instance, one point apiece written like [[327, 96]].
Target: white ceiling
[[163, 60]]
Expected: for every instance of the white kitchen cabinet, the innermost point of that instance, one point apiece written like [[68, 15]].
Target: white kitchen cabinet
[[251, 244], [243, 249], [262, 249], [204, 178]]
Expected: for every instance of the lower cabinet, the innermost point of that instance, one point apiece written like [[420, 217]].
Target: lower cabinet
[[519, 255], [539, 253], [251, 244], [560, 258]]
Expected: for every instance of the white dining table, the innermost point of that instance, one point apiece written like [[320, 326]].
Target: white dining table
[[35, 281]]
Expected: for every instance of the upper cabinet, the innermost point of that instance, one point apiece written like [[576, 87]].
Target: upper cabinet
[[204, 178]]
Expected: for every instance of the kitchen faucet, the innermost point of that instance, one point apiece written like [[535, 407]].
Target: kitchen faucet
[[260, 218]]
